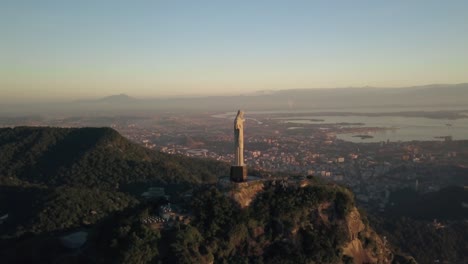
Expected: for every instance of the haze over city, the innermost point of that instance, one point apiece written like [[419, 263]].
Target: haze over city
[[62, 50], [262, 132]]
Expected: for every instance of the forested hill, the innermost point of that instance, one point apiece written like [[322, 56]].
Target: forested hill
[[92, 157], [57, 182]]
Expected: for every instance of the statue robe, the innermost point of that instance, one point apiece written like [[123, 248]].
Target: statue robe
[[239, 139]]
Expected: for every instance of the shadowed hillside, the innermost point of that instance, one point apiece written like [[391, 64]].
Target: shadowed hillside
[[430, 226], [92, 157], [56, 180]]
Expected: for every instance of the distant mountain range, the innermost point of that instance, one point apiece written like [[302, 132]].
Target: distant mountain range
[[119, 98], [435, 95]]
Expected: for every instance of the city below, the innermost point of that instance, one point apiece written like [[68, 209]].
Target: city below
[[276, 142]]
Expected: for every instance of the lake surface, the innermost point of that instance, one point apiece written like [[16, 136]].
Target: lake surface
[[400, 128]]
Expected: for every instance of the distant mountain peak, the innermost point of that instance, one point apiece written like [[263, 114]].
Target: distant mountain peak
[[118, 98]]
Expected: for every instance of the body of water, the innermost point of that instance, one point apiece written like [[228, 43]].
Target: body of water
[[400, 128]]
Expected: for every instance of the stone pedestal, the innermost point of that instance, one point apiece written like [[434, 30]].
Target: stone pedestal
[[238, 173]]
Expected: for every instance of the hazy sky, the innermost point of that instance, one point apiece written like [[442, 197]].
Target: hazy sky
[[68, 48]]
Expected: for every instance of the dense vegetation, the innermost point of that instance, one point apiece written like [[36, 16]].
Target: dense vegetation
[[124, 239], [429, 226], [56, 180], [38, 210], [53, 179], [93, 157], [282, 226], [422, 240]]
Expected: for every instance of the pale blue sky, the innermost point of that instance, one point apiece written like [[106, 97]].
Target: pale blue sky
[[69, 49]]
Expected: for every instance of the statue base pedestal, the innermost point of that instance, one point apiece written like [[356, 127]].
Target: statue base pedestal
[[238, 173]]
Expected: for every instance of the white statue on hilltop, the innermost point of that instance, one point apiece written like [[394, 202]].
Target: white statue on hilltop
[[239, 138]]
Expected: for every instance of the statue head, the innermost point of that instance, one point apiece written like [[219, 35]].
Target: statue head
[[240, 114]]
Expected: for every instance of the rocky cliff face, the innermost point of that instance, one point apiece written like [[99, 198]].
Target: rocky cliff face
[[359, 242], [244, 193], [365, 245]]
